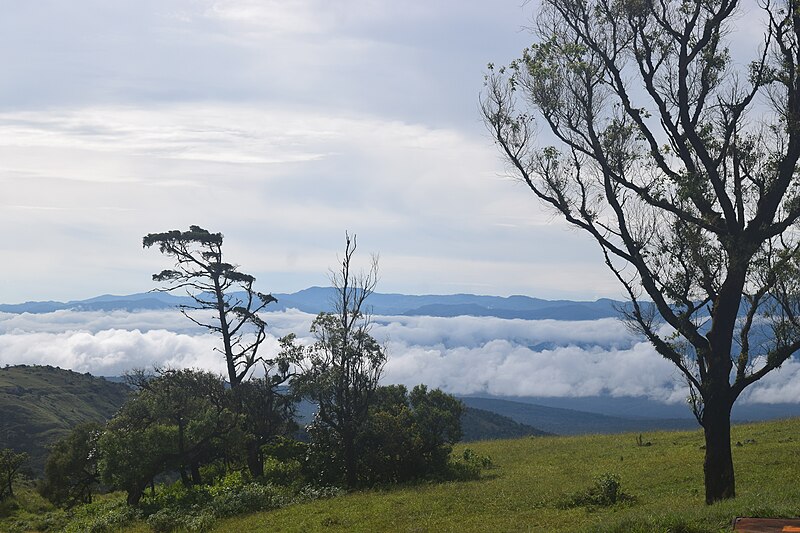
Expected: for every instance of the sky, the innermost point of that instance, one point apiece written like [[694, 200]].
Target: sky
[[281, 125]]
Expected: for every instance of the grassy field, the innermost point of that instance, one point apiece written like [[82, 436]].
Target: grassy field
[[530, 487], [533, 478]]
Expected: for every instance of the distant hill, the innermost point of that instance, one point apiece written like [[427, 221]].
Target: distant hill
[[637, 407], [478, 424], [316, 299], [40, 404], [571, 422]]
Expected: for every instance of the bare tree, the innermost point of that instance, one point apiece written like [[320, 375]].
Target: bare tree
[[343, 367], [215, 286], [682, 165]]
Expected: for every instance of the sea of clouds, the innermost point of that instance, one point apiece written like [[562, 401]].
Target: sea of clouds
[[461, 355]]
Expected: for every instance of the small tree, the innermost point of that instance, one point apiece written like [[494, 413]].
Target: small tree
[[10, 465], [343, 367], [408, 436], [70, 473], [212, 284], [682, 166], [176, 421], [267, 411]]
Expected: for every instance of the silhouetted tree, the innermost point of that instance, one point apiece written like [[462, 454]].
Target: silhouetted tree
[[682, 165], [215, 286], [342, 368]]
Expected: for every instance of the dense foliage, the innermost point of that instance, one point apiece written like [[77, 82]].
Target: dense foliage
[[11, 463], [182, 421], [405, 436], [70, 474]]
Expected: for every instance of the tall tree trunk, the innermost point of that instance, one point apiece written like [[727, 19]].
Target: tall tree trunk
[[350, 471], [136, 490], [717, 395], [718, 466], [184, 476], [255, 461], [196, 478]]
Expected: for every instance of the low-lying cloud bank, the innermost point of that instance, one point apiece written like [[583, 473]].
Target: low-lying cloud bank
[[463, 355]]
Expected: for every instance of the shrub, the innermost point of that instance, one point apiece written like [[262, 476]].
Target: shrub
[[605, 492], [314, 492], [248, 498], [102, 517], [469, 465]]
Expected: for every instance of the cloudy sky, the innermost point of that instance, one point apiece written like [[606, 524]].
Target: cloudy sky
[[281, 124]]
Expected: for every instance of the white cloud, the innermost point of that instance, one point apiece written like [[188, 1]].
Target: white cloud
[[282, 124], [464, 355], [779, 386], [110, 352]]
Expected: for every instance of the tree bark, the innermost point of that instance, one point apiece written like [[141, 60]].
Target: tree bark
[[350, 472], [196, 477], [718, 466], [136, 490], [255, 462]]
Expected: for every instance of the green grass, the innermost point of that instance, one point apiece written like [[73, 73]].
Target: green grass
[[529, 489], [533, 477]]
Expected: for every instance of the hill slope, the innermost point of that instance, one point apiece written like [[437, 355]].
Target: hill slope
[[478, 424], [532, 480], [571, 422], [40, 404]]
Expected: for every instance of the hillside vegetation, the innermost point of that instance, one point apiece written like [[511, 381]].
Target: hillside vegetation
[[536, 484], [533, 481], [40, 404]]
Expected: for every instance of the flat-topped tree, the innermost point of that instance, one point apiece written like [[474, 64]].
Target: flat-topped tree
[[215, 286], [682, 164]]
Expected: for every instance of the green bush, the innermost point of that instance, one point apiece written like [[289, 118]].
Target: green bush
[[175, 495], [288, 472], [314, 492], [605, 492], [468, 465], [248, 498], [105, 516]]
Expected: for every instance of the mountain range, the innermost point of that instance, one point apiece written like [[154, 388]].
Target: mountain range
[[316, 299]]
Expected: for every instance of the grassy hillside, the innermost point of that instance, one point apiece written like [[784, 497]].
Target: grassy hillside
[[39, 404], [533, 479], [478, 424]]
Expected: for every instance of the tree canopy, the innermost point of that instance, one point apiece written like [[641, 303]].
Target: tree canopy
[[681, 163], [215, 286]]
